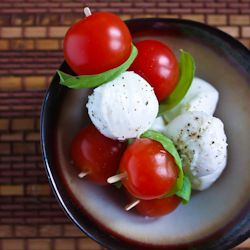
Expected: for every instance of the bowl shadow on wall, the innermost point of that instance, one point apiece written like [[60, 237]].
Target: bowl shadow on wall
[[214, 219]]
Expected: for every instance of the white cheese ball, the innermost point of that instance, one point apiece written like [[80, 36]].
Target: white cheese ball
[[201, 142], [124, 107], [201, 96]]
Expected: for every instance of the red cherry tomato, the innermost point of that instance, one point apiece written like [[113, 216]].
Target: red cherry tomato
[[97, 43], [151, 171], [96, 154], [158, 207], [157, 64]]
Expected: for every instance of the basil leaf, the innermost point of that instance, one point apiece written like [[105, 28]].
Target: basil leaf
[[92, 81], [170, 147], [187, 71], [185, 192]]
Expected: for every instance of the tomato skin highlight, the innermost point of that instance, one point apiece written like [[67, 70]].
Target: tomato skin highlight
[[97, 43], [158, 207], [157, 64], [96, 154], [151, 170]]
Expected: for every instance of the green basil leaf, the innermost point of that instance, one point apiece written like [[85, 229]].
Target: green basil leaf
[[185, 192], [187, 71], [92, 81], [170, 147]]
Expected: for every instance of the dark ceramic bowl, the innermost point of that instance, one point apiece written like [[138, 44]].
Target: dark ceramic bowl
[[217, 218]]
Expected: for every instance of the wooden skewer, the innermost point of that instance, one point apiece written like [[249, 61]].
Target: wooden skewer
[[87, 11], [82, 174], [131, 205], [116, 178]]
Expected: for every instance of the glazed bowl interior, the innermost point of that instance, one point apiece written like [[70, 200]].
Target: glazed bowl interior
[[212, 215]]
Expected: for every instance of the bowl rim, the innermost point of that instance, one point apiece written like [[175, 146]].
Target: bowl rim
[[227, 237]]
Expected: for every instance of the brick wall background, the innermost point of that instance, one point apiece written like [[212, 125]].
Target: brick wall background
[[31, 34]]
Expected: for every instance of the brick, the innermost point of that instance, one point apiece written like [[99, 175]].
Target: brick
[[6, 231], [4, 20], [246, 32], [87, 244], [32, 136], [239, 5], [197, 18], [11, 32], [215, 5], [168, 5], [144, 5], [4, 44], [64, 244], [245, 42], [57, 32], [245, 245], [5, 148], [24, 148], [10, 83], [239, 19], [23, 44], [25, 231], [28, 19], [125, 4], [34, 82], [98, 4], [35, 32], [38, 189], [228, 11], [4, 124], [168, 16], [192, 5], [11, 137], [11, 190], [180, 10], [204, 10], [125, 17], [50, 230], [46, 19], [134, 10], [39, 244], [72, 231], [233, 31], [23, 124], [13, 244], [245, 11], [70, 18], [217, 19], [47, 44]]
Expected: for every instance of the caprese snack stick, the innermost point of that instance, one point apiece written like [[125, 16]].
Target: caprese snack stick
[[82, 174], [116, 178], [87, 11], [131, 205]]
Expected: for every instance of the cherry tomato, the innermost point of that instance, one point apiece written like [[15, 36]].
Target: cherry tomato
[[158, 207], [97, 43], [96, 154], [150, 170], [157, 64]]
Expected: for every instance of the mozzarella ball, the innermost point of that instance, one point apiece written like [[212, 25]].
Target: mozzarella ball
[[124, 107], [201, 142], [201, 96]]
